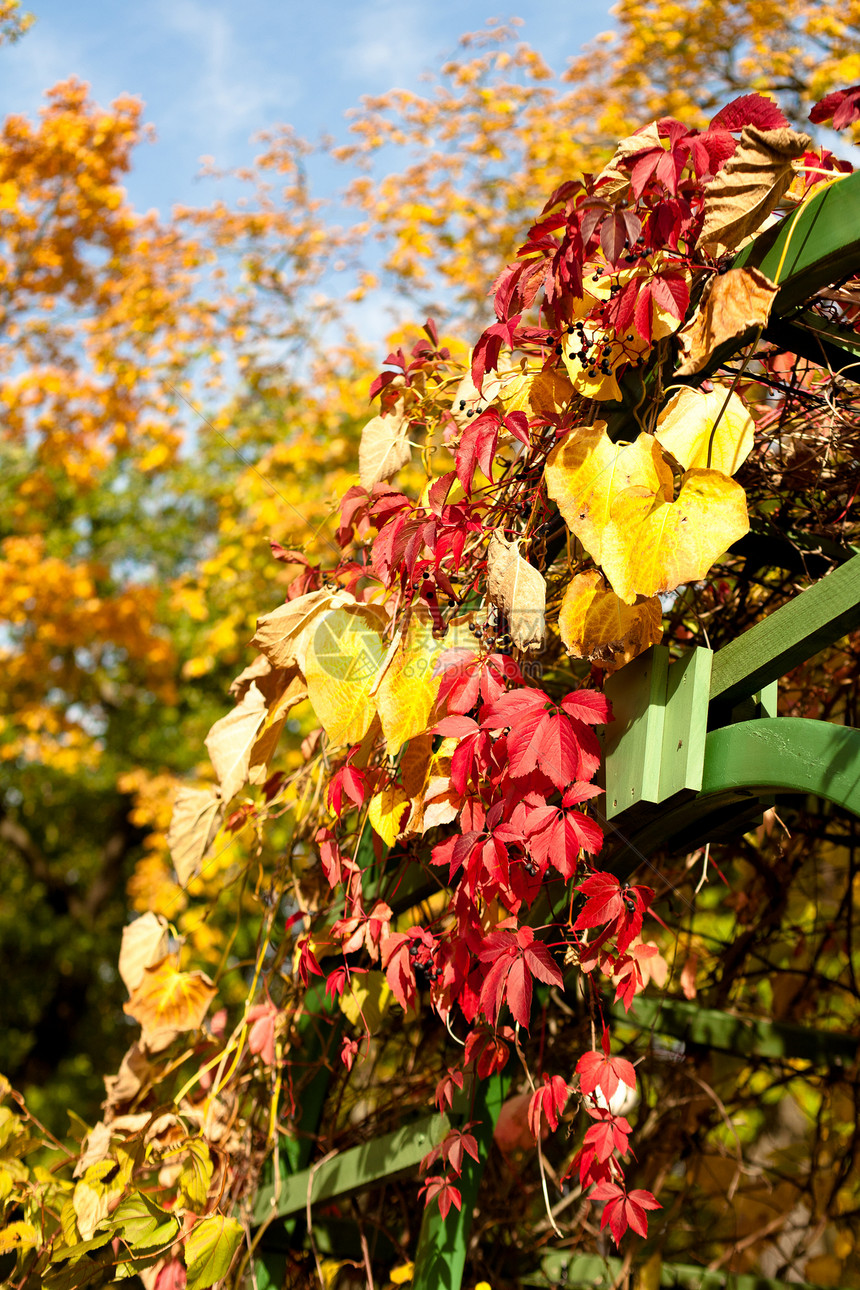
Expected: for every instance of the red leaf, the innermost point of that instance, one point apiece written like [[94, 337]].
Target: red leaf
[[547, 1103], [749, 109], [445, 1195], [588, 706], [604, 1072], [478, 448], [842, 105], [624, 1209]]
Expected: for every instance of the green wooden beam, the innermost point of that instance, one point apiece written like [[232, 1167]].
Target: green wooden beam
[[443, 1242], [591, 1272], [811, 248], [745, 764], [655, 746], [382, 1157], [816, 618], [740, 1036]]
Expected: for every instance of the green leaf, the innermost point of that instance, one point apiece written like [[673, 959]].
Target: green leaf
[[210, 1248], [143, 1225], [196, 1175]]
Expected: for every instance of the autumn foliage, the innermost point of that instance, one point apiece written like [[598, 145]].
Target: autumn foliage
[[401, 812]]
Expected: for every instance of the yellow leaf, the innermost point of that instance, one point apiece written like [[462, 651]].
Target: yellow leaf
[[143, 942], [98, 1187], [402, 1274], [520, 590], [587, 472], [384, 448], [750, 184], [407, 692], [414, 763], [195, 1175], [653, 545], [736, 303], [538, 394], [167, 1000], [596, 624], [344, 655], [197, 817], [17, 1236], [686, 424], [386, 813], [365, 1001]]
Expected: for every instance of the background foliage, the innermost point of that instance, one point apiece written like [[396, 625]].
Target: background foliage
[[134, 553]]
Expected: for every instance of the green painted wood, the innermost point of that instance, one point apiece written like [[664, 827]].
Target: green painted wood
[[633, 742], [382, 1157], [746, 764], [816, 618], [813, 247], [741, 1036], [685, 723], [822, 243], [591, 1272], [443, 1242], [785, 755]]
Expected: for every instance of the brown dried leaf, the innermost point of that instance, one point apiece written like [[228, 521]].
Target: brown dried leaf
[[685, 428], [197, 817], [168, 1000], [97, 1148], [750, 184], [384, 448], [143, 942], [283, 634], [294, 692], [135, 1072], [596, 624], [587, 472], [519, 589], [231, 739], [654, 545], [736, 304]]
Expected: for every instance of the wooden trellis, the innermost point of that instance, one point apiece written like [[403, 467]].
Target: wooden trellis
[[695, 753]]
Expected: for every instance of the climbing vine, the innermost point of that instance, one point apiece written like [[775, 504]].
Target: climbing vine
[[436, 857]]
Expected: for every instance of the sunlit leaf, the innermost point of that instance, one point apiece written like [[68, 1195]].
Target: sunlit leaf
[[596, 624], [343, 658], [750, 184], [144, 1225], [384, 448], [685, 428], [387, 813], [653, 545], [197, 816], [736, 303], [407, 692], [587, 472], [519, 589], [366, 1000], [144, 942], [169, 1000], [209, 1249]]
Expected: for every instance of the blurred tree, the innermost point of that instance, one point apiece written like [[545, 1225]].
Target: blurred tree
[[131, 571]]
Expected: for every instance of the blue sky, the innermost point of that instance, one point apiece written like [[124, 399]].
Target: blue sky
[[212, 73]]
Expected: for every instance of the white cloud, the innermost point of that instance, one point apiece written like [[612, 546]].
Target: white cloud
[[387, 44]]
